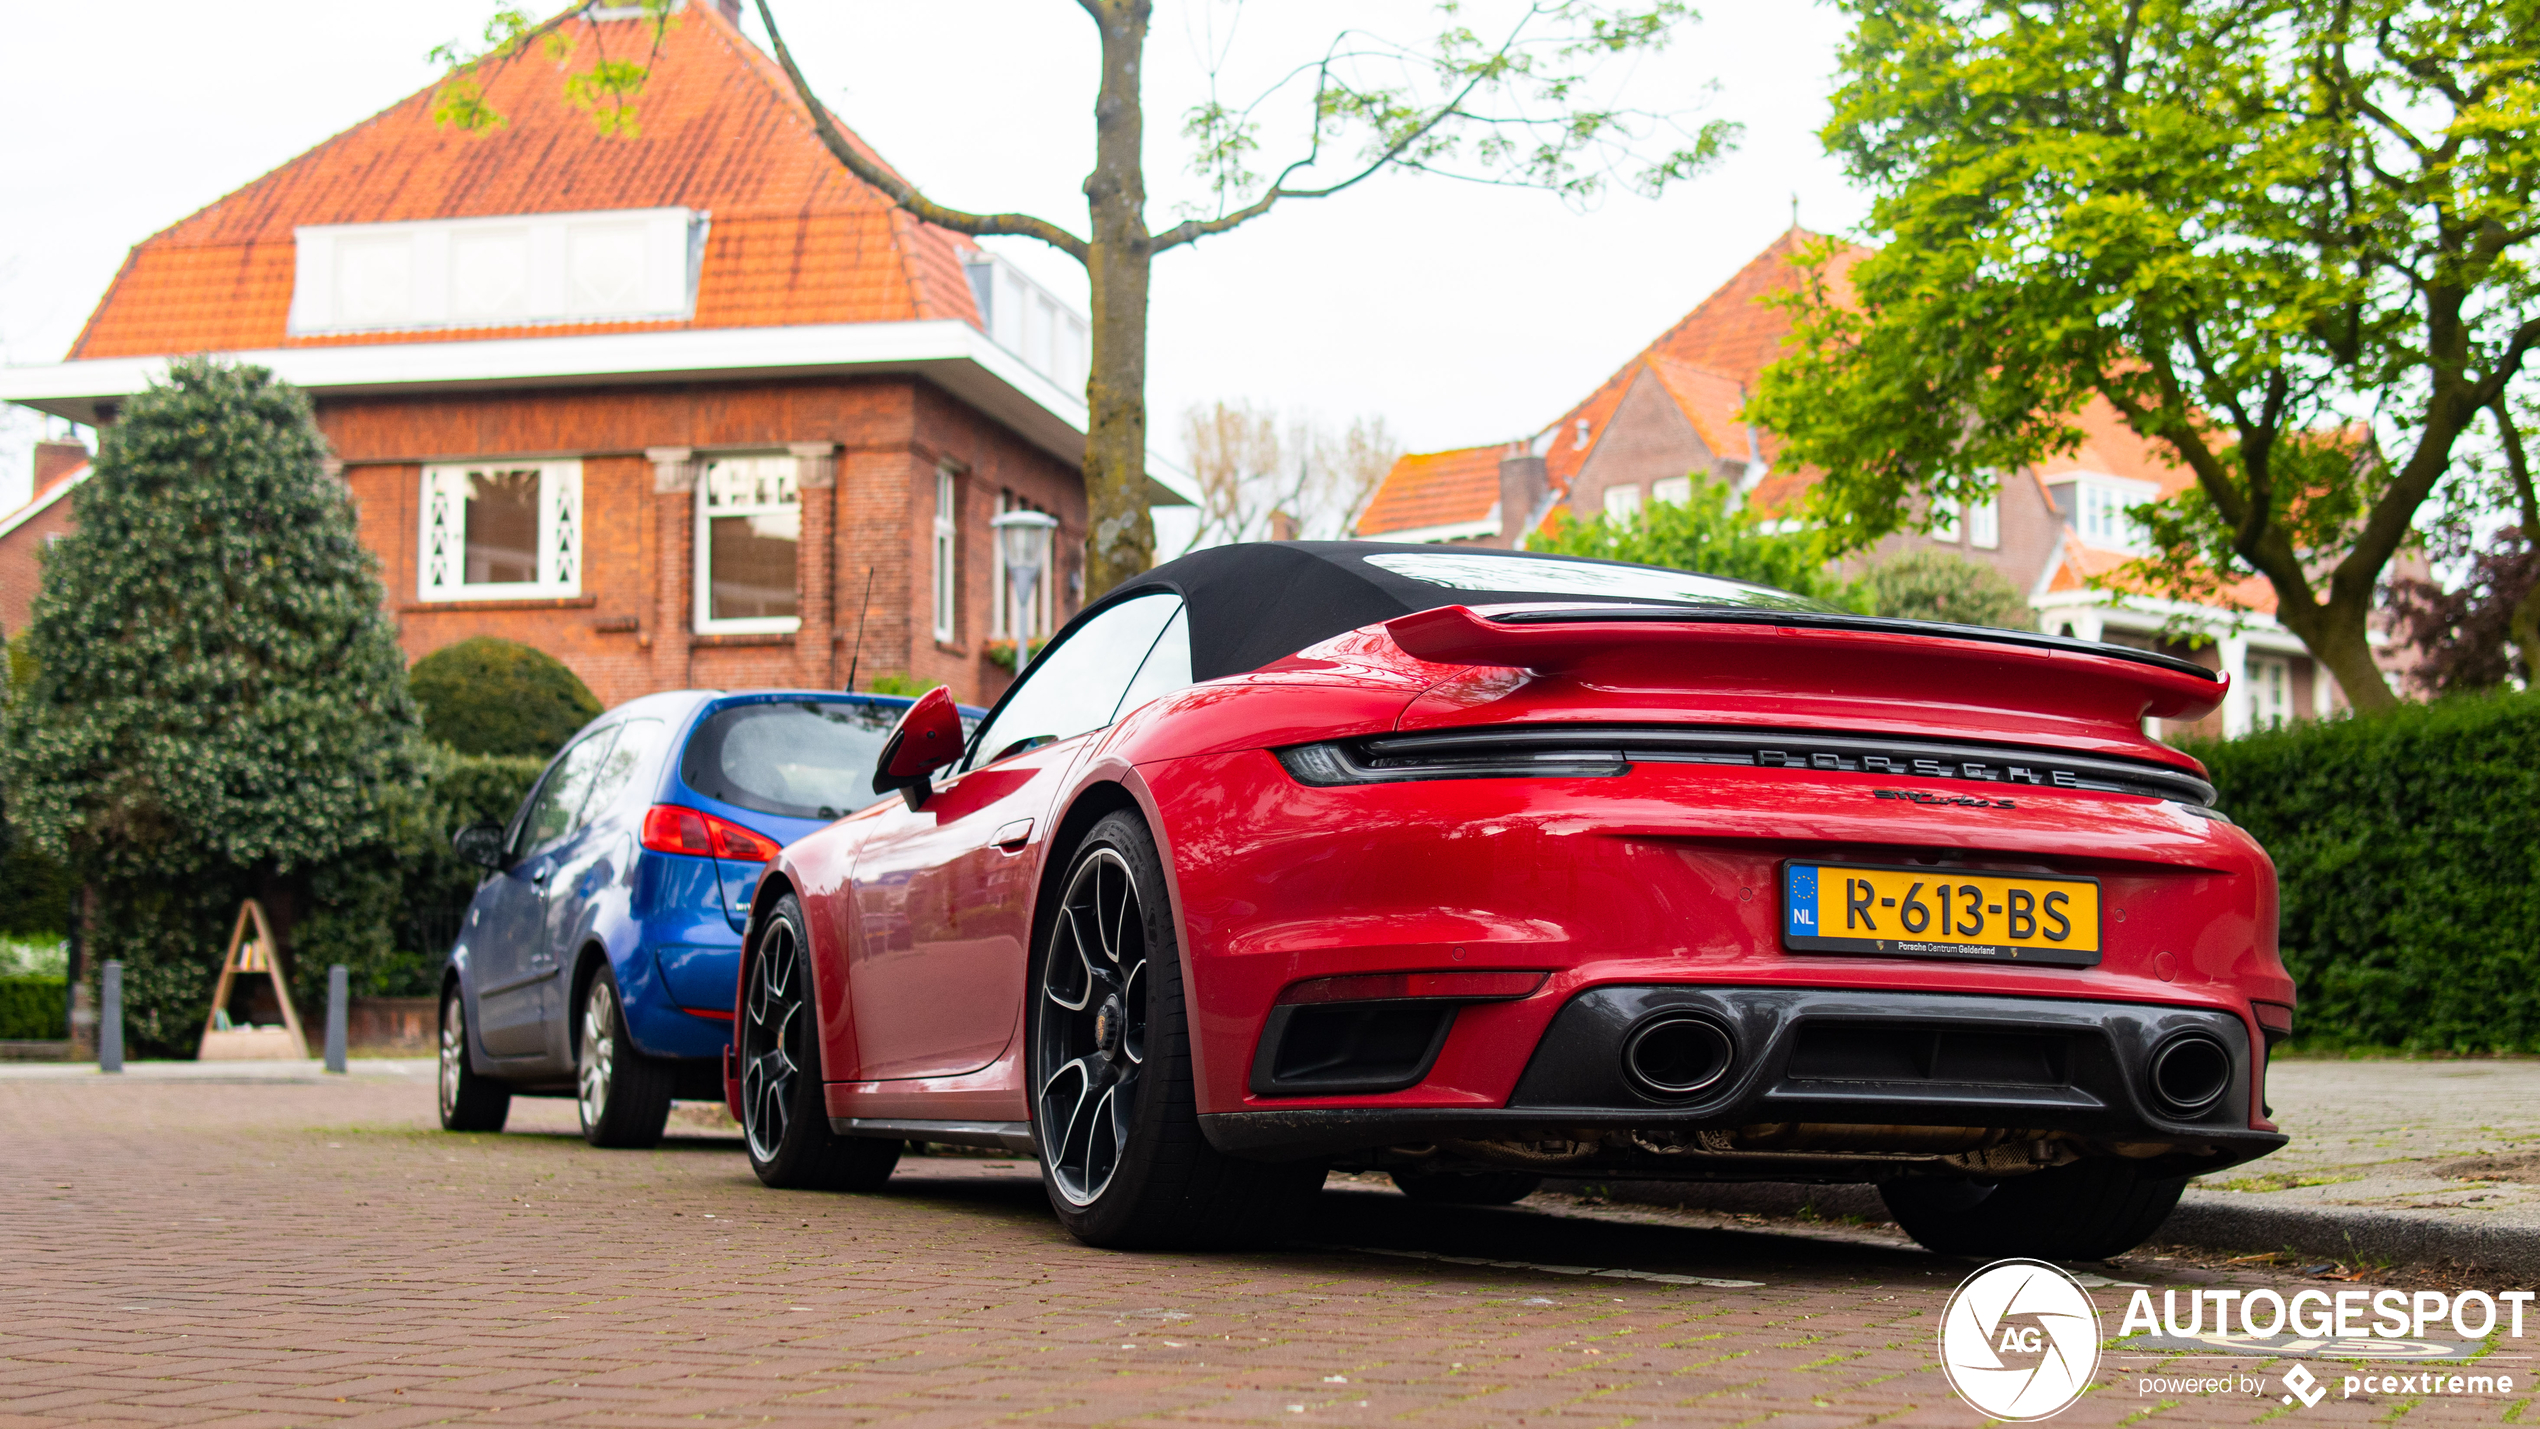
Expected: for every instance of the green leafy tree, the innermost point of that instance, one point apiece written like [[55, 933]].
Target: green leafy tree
[[1707, 533], [1524, 107], [1935, 585], [2289, 241], [219, 706], [485, 695]]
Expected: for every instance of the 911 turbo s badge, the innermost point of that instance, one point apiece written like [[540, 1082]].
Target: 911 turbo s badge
[[1918, 796]]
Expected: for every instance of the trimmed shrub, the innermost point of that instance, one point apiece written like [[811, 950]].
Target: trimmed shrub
[[2408, 849], [218, 705], [31, 1010], [490, 696], [1935, 585]]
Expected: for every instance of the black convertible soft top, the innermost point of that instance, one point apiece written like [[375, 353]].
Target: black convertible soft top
[[1254, 603]]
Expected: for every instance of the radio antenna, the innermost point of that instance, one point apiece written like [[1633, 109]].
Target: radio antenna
[[861, 612]]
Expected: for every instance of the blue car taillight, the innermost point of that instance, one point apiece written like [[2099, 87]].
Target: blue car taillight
[[668, 828]]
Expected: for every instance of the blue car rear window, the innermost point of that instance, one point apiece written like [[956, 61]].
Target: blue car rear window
[[800, 759]]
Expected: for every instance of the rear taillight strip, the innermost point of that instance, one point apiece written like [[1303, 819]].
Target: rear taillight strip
[[1577, 751]]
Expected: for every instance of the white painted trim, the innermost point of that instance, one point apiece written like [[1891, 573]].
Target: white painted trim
[[1451, 531], [951, 353], [44, 503]]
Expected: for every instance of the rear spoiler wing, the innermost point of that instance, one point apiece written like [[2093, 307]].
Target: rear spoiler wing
[[1563, 637]]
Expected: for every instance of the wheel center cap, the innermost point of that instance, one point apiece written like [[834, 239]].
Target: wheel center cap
[[1108, 1023]]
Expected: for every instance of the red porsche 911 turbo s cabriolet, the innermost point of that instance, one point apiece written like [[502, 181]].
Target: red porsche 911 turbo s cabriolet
[[1479, 866]]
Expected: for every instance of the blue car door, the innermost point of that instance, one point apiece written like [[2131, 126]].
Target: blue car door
[[512, 960]]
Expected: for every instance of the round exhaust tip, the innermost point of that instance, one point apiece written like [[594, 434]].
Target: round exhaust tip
[[2190, 1073], [1675, 1055]]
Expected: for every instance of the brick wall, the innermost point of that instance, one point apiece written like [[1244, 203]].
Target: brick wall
[[21, 563], [869, 450], [876, 442]]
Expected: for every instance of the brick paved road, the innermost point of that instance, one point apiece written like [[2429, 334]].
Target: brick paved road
[[193, 1252]]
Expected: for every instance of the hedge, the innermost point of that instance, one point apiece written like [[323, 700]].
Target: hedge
[[2407, 845], [31, 1010]]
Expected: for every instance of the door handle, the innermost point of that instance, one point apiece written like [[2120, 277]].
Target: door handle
[[543, 873], [1014, 835]]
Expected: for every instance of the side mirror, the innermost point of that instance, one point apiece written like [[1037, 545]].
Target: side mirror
[[480, 844], [927, 738]]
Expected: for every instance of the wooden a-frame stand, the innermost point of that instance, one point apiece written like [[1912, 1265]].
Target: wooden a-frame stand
[[252, 1044]]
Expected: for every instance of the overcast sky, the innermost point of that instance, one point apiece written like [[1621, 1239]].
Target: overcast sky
[[1460, 313]]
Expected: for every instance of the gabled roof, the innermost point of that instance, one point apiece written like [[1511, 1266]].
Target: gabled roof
[[53, 491], [1708, 362], [793, 238], [1427, 490]]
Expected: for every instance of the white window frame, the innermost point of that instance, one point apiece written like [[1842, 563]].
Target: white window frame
[[1622, 502], [1673, 491], [1984, 523], [791, 478], [1944, 512], [2270, 691], [2099, 513], [947, 548], [427, 274], [441, 533]]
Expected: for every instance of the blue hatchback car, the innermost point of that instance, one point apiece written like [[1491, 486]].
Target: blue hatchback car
[[599, 956]]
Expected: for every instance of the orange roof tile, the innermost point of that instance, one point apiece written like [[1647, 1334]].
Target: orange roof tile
[[2111, 448], [794, 238], [2085, 567], [1435, 489]]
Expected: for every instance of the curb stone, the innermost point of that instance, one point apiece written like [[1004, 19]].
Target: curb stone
[[2219, 1220]]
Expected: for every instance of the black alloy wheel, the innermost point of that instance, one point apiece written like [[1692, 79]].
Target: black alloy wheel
[[622, 1094], [1114, 1106], [1094, 995], [2085, 1210], [784, 1117], [469, 1101]]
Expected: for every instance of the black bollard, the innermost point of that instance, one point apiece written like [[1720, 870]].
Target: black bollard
[[337, 995], [110, 1017]]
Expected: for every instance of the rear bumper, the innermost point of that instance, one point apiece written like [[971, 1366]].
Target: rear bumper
[[1829, 1085]]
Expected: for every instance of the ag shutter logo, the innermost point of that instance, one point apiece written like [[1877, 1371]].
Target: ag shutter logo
[[2019, 1340]]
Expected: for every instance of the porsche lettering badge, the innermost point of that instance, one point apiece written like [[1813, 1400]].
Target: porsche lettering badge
[[1931, 912]]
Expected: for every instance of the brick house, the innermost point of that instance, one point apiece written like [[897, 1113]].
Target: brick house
[[661, 405], [60, 466], [1672, 412]]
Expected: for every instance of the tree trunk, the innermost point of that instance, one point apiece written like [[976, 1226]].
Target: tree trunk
[[1121, 542], [2339, 639]]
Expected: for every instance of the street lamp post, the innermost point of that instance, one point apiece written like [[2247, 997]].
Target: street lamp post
[[1023, 538]]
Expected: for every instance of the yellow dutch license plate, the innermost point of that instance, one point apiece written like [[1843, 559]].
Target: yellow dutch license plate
[[1940, 913]]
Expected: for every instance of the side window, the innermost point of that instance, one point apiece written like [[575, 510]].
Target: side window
[[1078, 684], [556, 809], [1167, 668], [636, 741]]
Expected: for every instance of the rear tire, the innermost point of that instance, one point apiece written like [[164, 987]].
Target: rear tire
[[1114, 1106], [1484, 1188], [784, 1116], [469, 1101], [624, 1096], [2088, 1210]]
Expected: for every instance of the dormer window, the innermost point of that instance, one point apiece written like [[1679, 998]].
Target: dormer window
[[2095, 506], [1027, 320], [604, 266]]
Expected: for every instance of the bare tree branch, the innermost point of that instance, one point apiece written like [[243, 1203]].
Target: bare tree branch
[[900, 191]]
